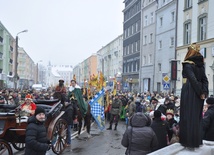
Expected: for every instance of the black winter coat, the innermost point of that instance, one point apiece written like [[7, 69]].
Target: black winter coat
[[69, 114], [191, 105], [139, 138], [36, 138], [208, 124], [161, 129]]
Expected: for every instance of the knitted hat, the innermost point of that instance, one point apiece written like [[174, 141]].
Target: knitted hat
[[210, 100], [39, 110]]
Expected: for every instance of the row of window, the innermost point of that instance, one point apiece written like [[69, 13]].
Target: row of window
[[131, 67], [133, 29], [148, 40], [147, 59], [131, 48], [132, 11], [146, 19], [160, 24], [171, 43], [188, 3], [202, 29]]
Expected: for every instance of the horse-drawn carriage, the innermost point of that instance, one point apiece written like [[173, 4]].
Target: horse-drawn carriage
[[13, 126]]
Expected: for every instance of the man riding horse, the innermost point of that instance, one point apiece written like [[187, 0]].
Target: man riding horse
[[60, 92], [76, 90], [75, 94]]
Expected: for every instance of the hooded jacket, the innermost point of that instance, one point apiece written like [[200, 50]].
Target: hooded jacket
[[36, 138], [139, 138]]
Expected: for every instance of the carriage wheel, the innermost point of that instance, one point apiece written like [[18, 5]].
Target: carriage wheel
[[5, 148], [59, 136], [19, 146]]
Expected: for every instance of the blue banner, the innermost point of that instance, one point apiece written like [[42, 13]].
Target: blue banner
[[97, 109]]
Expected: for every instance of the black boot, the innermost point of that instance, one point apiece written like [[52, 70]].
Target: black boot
[[110, 128], [115, 127]]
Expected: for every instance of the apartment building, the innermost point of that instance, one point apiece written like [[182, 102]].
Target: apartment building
[[7, 50], [196, 25], [148, 45], [109, 60], [59, 71], [26, 69], [131, 45], [165, 46]]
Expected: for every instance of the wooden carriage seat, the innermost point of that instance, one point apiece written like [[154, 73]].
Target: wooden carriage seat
[[51, 111]]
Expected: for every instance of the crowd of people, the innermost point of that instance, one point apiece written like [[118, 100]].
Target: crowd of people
[[153, 120]]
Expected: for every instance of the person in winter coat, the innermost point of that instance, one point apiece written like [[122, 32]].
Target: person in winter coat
[[208, 120], [171, 121], [194, 91], [115, 111], [139, 138], [160, 128], [139, 107], [68, 116], [36, 136]]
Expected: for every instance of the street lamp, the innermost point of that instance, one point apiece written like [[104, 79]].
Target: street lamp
[[212, 67], [16, 60]]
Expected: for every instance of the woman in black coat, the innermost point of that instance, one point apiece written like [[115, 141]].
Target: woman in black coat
[[161, 129], [36, 137], [193, 93], [139, 138]]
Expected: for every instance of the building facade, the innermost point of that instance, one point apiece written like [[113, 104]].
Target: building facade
[[77, 72], [148, 45], [61, 71], [131, 45], [109, 61], [196, 25], [165, 45], [26, 70], [7, 50]]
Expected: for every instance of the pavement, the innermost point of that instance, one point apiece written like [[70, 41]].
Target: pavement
[[106, 142]]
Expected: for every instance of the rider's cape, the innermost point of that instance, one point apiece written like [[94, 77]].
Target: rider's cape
[[80, 101]]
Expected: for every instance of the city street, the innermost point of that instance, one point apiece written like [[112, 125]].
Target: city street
[[107, 142]]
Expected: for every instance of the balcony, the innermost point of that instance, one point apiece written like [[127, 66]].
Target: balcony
[[11, 61]]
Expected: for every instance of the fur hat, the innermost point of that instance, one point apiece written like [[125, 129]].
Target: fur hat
[[210, 100], [61, 80], [39, 110]]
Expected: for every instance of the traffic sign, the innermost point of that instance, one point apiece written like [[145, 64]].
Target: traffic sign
[[166, 86], [165, 78]]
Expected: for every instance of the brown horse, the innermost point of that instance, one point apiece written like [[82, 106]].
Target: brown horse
[[87, 121], [60, 96]]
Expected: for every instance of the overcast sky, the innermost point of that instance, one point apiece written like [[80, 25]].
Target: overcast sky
[[62, 31]]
